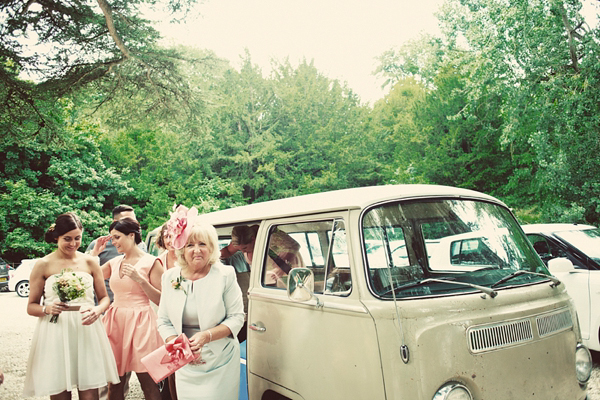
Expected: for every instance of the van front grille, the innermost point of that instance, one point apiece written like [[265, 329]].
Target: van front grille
[[555, 322], [491, 337], [484, 338]]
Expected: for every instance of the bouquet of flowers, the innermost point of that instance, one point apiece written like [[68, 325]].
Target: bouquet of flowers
[[68, 286]]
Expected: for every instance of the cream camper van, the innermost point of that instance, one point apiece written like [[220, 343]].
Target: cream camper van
[[366, 312]]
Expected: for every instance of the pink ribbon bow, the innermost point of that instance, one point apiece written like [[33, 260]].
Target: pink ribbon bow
[[177, 350]]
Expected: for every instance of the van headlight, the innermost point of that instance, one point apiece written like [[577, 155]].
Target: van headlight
[[453, 391], [583, 363]]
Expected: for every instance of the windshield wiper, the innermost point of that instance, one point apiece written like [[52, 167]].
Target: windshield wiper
[[492, 293], [555, 281]]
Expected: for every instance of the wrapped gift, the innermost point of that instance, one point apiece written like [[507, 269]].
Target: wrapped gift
[[167, 359]]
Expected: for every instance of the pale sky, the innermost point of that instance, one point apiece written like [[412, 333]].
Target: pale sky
[[341, 37]]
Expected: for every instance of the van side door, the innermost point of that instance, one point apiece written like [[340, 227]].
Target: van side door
[[298, 349]]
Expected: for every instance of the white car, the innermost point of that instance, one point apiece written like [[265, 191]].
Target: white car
[[19, 278], [577, 249]]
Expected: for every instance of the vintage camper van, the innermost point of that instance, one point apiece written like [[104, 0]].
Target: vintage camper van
[[365, 309]]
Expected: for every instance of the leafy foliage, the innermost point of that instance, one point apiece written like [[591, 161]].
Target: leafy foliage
[[81, 44], [37, 184], [506, 102], [512, 107]]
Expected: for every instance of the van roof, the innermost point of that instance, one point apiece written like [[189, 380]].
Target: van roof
[[344, 199]]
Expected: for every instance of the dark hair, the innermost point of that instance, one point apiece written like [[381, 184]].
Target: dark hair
[[64, 223], [127, 226], [160, 240], [243, 234], [121, 208]]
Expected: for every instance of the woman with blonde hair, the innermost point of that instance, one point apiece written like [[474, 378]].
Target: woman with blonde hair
[[202, 299]]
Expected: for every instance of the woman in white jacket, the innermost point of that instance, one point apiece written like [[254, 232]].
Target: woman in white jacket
[[201, 298]]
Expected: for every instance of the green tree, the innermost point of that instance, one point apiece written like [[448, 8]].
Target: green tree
[[37, 184], [163, 169], [295, 132], [512, 104], [540, 58], [58, 47], [400, 143]]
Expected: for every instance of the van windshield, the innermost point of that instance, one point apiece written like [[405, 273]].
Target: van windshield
[[409, 246]]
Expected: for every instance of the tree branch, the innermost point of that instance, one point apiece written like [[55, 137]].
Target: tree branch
[[570, 31], [107, 10]]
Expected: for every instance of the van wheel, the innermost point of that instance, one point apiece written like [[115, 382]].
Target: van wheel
[[271, 395], [22, 289]]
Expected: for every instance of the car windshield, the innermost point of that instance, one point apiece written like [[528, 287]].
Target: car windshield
[[587, 241], [410, 246]]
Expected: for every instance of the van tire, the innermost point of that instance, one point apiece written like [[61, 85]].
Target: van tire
[[271, 395], [22, 289]]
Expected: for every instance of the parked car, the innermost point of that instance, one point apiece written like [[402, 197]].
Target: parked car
[[577, 248], [4, 270], [19, 279]]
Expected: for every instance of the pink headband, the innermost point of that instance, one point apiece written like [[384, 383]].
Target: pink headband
[[180, 224]]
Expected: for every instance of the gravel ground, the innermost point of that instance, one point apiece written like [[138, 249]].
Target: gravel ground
[[16, 331]]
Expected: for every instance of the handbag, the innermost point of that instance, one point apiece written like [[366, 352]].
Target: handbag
[[168, 358]]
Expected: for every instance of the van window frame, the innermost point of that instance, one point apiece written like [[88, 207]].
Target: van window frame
[[332, 218]]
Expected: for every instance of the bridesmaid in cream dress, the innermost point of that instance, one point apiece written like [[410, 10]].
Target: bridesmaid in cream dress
[[74, 352]]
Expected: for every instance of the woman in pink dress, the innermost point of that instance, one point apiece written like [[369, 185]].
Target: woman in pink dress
[[165, 242], [130, 322]]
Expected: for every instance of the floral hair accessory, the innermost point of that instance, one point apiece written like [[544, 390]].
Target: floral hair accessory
[[181, 223]]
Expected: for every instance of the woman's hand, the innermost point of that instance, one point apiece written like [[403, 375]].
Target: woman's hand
[[56, 308], [130, 271], [198, 340], [100, 245], [89, 315]]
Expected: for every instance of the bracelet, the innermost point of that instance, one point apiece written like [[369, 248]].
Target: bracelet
[[210, 338], [44, 310]]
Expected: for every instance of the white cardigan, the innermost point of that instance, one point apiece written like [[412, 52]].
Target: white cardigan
[[218, 298]]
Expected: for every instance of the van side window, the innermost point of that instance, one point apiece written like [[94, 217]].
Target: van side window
[[310, 245]]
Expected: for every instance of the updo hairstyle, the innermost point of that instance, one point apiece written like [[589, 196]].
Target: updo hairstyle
[[127, 226], [204, 233], [243, 234], [64, 223]]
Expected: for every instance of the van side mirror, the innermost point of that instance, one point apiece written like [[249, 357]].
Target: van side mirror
[[301, 286], [560, 264]]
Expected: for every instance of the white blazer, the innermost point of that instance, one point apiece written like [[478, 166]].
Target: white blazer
[[218, 299]]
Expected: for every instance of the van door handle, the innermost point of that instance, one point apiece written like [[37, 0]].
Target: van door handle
[[255, 327]]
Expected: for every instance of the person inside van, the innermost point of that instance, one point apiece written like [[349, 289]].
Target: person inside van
[[283, 252], [232, 255]]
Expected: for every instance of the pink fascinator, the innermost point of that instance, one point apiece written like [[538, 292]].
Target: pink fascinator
[[180, 224]]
